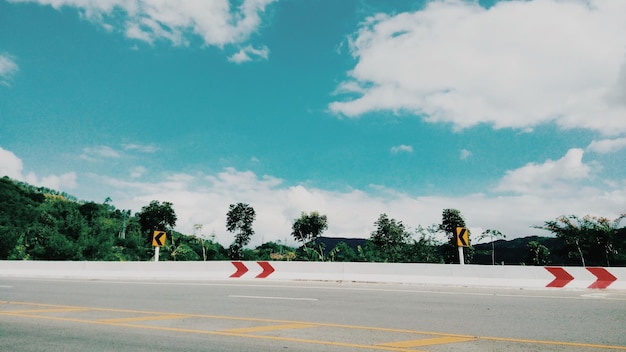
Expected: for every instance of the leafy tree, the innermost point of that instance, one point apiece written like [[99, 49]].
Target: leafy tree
[[450, 220], [592, 240], [538, 254], [307, 228], [342, 253], [157, 216], [492, 234], [239, 219], [426, 248], [390, 236]]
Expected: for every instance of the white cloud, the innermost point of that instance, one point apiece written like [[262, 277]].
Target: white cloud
[[64, 182], [465, 154], [99, 152], [204, 199], [8, 67], [457, 62], [216, 22], [137, 172], [249, 53], [140, 148], [607, 145], [551, 177], [12, 166], [402, 149]]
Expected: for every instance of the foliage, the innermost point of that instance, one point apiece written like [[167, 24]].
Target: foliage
[[41, 224], [450, 220], [390, 237], [156, 216], [308, 227], [538, 254], [591, 240], [239, 219], [491, 234]]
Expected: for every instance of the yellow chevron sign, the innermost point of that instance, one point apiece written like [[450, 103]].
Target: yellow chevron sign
[[462, 237], [158, 238]]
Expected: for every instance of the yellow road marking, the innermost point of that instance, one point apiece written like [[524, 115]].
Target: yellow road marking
[[380, 347], [148, 318], [427, 342], [50, 310], [270, 328]]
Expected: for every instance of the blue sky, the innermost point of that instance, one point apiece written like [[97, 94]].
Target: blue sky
[[352, 108]]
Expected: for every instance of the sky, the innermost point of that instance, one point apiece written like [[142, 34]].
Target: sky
[[513, 112]]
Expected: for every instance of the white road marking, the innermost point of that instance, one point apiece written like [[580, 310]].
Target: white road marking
[[280, 298]]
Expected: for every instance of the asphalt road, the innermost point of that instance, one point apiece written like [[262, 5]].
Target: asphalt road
[[235, 315]]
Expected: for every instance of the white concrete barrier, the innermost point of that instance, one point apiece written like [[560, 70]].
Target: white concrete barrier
[[425, 274]]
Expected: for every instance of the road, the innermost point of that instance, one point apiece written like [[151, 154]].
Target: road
[[235, 316]]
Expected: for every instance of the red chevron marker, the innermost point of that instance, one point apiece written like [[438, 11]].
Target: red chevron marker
[[241, 269], [267, 270], [561, 277], [605, 278]]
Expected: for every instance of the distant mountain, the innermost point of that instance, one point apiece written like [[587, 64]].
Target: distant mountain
[[514, 252]]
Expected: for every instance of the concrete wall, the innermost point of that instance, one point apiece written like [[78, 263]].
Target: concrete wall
[[425, 274]]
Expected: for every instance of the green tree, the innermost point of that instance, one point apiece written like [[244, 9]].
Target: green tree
[[538, 254], [342, 253], [592, 240], [491, 234], [306, 229], [239, 220], [157, 216], [426, 248], [450, 220], [391, 237]]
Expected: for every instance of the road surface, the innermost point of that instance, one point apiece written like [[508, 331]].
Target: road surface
[[258, 315]]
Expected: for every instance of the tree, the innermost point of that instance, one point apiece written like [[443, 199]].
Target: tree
[[307, 228], [492, 234], [450, 220], [538, 254], [157, 216], [592, 240], [390, 236], [239, 219], [342, 253]]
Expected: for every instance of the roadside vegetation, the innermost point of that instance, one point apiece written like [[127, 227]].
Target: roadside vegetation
[[37, 223]]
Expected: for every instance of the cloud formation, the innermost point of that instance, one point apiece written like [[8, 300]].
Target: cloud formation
[[551, 177], [249, 53], [216, 22], [607, 145], [8, 67], [12, 166], [457, 62], [204, 199], [402, 149]]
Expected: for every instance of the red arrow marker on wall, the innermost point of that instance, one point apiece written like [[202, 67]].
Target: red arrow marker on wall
[[605, 278], [241, 269], [267, 270], [561, 277]]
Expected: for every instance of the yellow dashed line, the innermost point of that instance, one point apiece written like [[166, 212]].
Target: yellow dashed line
[[51, 310], [426, 342], [147, 318], [397, 346], [270, 328]]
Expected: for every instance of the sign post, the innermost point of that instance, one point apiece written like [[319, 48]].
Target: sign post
[[158, 240], [462, 240]]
